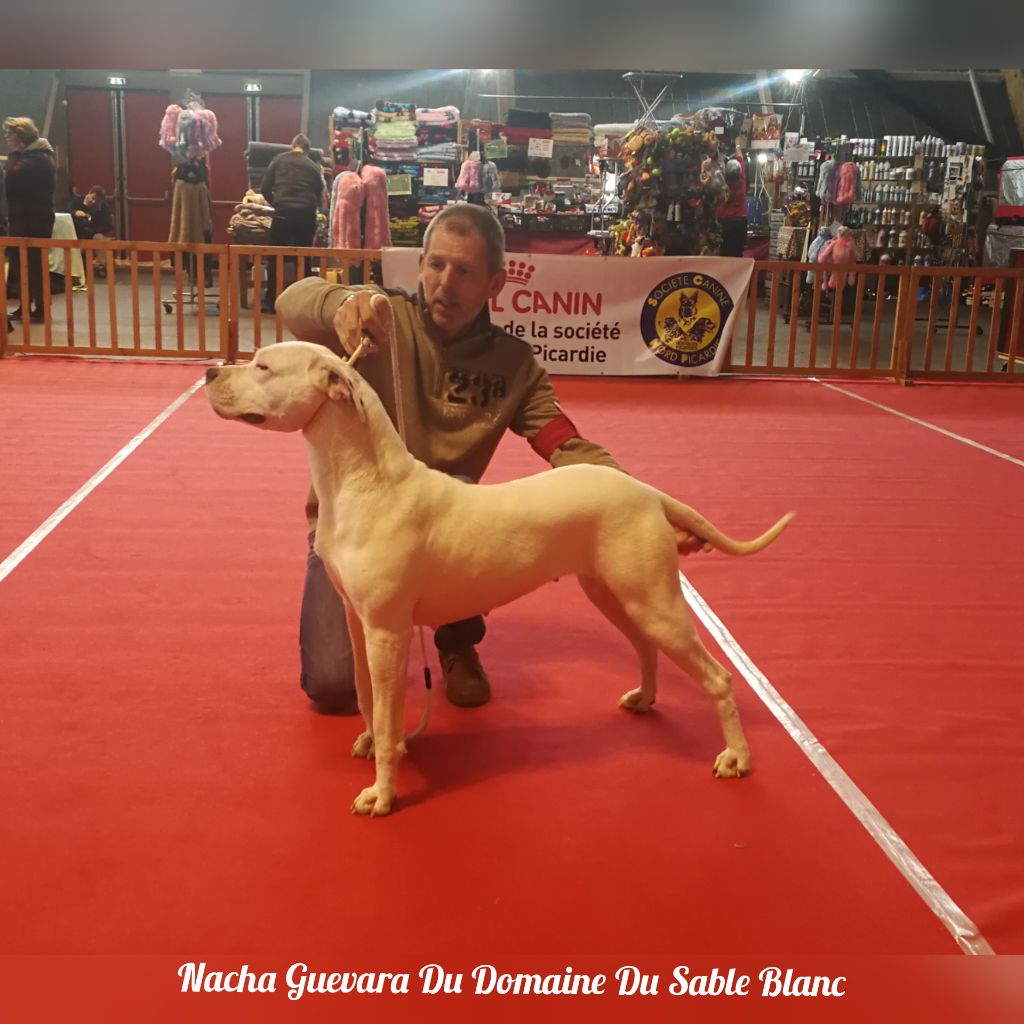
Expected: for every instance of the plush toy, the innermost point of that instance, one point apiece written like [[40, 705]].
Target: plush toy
[[377, 233], [848, 189], [841, 249], [347, 211], [822, 239], [469, 175]]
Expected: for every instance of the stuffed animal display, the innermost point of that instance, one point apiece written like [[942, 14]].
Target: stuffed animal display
[[349, 228], [840, 250]]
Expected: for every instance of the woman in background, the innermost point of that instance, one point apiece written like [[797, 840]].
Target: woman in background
[[31, 175]]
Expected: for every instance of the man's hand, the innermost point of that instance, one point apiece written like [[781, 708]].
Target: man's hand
[[688, 543], [368, 313]]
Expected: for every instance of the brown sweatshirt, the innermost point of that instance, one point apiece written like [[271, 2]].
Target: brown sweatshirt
[[458, 396]]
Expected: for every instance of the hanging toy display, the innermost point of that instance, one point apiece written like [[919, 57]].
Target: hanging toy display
[[673, 186]]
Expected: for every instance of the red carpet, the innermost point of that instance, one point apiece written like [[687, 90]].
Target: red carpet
[[61, 420], [167, 791], [990, 414]]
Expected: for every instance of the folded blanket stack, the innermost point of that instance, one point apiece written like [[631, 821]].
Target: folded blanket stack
[[252, 216], [442, 152], [388, 112], [394, 141], [573, 137], [346, 139], [437, 132], [446, 116], [346, 117], [574, 129]]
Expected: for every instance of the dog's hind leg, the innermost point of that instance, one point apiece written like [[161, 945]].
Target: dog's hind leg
[[640, 699], [363, 746], [387, 655], [661, 615]]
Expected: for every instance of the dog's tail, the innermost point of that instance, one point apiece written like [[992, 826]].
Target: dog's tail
[[683, 517]]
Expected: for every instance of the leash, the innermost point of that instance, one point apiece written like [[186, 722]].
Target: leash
[[364, 342]]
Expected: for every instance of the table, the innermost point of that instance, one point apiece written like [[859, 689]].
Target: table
[[64, 227]]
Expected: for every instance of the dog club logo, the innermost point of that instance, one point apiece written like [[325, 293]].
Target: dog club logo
[[683, 319], [517, 297]]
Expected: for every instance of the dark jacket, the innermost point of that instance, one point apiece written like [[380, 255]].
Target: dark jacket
[[293, 182], [98, 219], [31, 177]]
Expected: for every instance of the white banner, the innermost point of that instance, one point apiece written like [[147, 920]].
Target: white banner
[[660, 316]]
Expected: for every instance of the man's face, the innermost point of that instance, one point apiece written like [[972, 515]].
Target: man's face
[[456, 281], [12, 141]]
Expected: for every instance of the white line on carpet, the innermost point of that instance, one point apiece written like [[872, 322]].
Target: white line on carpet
[[27, 546], [963, 929], [920, 423]]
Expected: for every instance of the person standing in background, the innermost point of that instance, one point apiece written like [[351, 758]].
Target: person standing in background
[[732, 214], [294, 187], [31, 176]]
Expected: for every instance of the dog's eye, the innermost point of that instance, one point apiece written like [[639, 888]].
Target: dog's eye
[[262, 366]]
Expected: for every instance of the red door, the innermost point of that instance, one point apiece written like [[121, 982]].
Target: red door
[[91, 159], [280, 118], [147, 168]]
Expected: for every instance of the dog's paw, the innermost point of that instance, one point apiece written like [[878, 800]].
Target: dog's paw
[[636, 702], [363, 746], [731, 764], [371, 802]]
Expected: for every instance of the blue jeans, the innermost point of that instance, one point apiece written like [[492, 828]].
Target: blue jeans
[[325, 648]]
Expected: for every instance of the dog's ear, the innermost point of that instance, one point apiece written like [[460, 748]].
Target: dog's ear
[[340, 384]]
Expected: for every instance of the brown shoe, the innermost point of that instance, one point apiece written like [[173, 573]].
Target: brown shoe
[[465, 682]]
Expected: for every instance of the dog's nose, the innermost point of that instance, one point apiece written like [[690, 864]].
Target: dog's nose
[[211, 374]]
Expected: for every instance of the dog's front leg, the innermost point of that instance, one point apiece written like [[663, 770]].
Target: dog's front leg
[[387, 654], [363, 746]]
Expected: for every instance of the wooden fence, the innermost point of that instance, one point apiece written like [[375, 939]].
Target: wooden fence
[[160, 300], [898, 323]]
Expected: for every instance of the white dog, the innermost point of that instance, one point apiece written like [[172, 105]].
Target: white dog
[[406, 545]]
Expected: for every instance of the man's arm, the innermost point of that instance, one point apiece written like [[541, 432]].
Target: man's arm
[[308, 310], [552, 435]]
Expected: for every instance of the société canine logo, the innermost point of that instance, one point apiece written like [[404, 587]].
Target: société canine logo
[[684, 317]]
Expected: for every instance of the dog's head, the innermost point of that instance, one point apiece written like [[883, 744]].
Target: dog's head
[[284, 386], [687, 305]]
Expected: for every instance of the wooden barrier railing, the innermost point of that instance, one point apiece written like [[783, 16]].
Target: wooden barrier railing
[[875, 326], [347, 266], [963, 324], [896, 323], [98, 316]]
